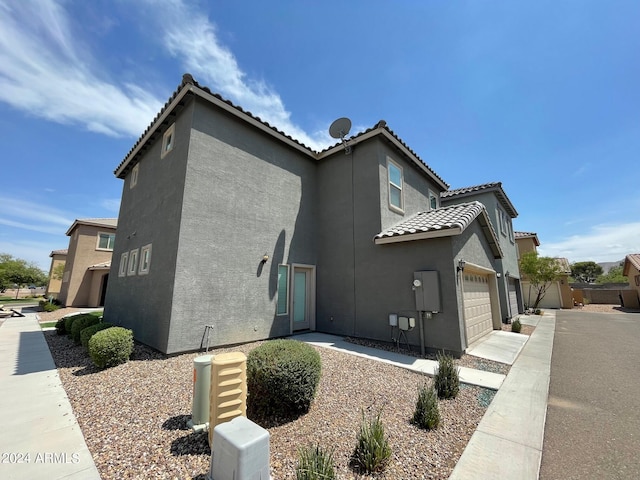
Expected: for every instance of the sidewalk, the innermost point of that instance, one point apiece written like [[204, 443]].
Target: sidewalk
[[508, 441], [40, 435]]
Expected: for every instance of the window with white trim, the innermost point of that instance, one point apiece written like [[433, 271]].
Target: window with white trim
[[168, 140], [106, 241], [283, 290], [134, 176], [433, 200], [396, 185], [133, 262], [122, 268], [145, 260]]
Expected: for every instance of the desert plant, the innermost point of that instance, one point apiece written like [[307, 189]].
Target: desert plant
[[80, 324], [111, 346], [372, 452], [427, 414], [538, 311], [88, 332], [315, 463], [49, 307], [282, 377], [446, 378], [60, 327], [516, 326]]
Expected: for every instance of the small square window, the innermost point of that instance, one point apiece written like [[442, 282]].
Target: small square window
[[433, 200], [134, 176], [122, 268], [168, 140], [133, 262], [145, 260], [106, 241]]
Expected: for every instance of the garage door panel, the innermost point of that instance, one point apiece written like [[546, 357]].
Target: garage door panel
[[477, 306]]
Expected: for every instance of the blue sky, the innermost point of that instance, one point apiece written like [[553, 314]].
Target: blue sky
[[543, 96]]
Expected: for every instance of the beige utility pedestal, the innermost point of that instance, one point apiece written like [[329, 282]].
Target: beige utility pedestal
[[228, 389]]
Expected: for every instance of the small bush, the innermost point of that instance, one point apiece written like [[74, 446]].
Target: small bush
[[372, 452], [516, 326], [50, 307], [60, 327], [427, 414], [111, 347], [538, 311], [314, 463], [446, 378], [282, 377], [89, 331], [68, 321], [80, 324]]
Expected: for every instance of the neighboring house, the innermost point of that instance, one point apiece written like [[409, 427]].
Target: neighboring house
[[86, 271], [501, 212], [58, 257], [559, 293], [231, 231], [631, 270]]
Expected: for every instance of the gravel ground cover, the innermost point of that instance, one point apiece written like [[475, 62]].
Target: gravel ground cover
[[134, 416]]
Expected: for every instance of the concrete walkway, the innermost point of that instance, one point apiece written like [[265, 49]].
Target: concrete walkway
[[508, 441], [40, 435]]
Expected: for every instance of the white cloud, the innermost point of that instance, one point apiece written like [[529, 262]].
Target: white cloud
[[34, 252], [33, 216], [603, 243], [111, 204], [192, 38], [43, 73]]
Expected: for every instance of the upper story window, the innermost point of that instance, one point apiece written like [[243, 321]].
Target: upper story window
[[134, 176], [502, 220], [133, 262], [145, 260], [106, 241], [433, 200], [122, 269], [396, 185], [168, 140]]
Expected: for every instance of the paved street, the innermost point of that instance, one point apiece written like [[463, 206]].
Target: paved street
[[593, 418]]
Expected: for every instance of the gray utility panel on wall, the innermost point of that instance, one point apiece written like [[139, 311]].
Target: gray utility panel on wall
[[426, 285]]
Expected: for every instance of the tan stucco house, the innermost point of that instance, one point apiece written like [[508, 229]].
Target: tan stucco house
[[88, 261], [58, 257], [631, 270]]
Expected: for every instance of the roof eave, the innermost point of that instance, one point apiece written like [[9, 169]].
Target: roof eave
[[408, 237]]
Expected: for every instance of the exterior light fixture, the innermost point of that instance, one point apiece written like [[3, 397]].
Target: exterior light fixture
[[265, 257], [461, 265]]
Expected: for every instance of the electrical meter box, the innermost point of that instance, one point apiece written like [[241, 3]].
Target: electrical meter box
[[426, 285]]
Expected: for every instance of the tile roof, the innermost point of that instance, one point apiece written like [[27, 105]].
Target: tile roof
[[189, 86], [445, 221], [64, 251], [486, 187], [98, 222], [564, 264], [631, 259]]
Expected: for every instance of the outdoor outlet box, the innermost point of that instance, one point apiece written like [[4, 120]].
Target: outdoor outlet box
[[428, 293]]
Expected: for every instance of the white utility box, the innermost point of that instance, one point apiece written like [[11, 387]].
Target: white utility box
[[239, 451]]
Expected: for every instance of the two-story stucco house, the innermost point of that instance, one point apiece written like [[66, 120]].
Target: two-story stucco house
[[230, 230], [87, 263], [58, 258], [501, 212]]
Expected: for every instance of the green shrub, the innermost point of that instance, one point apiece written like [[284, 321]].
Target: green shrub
[[314, 463], [516, 326], [427, 414], [89, 331], [80, 324], [60, 327], [538, 311], [69, 320], [50, 307], [372, 452], [111, 347], [446, 378], [282, 377]]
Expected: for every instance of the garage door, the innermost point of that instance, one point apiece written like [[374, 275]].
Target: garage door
[[477, 306], [513, 298]]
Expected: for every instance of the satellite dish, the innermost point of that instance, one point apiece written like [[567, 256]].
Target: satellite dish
[[340, 129]]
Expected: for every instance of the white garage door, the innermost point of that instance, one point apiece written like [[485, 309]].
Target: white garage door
[[513, 298], [477, 306]]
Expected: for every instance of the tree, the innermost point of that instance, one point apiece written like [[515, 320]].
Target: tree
[[585, 272], [541, 272], [15, 271], [614, 275]]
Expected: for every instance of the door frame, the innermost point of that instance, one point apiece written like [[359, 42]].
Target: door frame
[[310, 296]]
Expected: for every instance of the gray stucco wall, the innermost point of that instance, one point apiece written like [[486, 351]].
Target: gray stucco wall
[[150, 213], [245, 195]]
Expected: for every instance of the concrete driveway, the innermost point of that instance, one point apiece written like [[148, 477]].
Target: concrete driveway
[[593, 416]]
